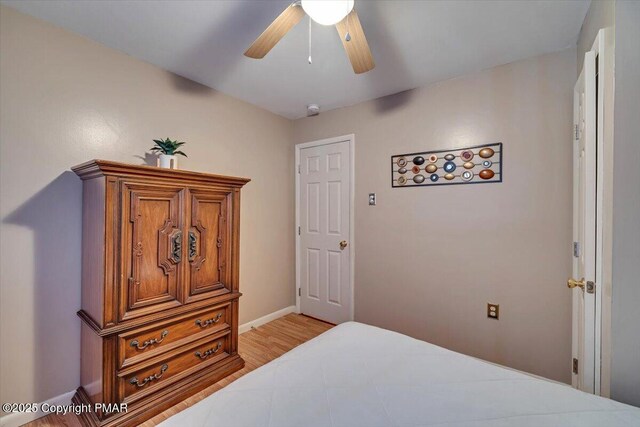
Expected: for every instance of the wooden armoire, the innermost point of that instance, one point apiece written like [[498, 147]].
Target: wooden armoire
[[159, 287]]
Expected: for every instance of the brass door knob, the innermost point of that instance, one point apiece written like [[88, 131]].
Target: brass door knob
[[343, 244], [572, 283]]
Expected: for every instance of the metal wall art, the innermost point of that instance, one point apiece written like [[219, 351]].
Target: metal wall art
[[471, 165]]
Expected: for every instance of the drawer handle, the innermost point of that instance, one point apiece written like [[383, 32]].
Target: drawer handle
[[176, 247], [147, 343], [209, 322], [209, 352], [150, 378], [193, 241]]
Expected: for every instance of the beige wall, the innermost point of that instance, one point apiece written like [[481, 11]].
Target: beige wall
[[66, 100], [427, 260], [625, 313]]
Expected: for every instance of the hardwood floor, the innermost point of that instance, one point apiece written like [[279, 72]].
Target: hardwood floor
[[257, 347]]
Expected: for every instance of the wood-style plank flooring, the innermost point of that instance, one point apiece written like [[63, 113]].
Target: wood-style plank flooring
[[257, 347]]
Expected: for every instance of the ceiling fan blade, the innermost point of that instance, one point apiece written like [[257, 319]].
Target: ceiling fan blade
[[274, 32], [357, 47]]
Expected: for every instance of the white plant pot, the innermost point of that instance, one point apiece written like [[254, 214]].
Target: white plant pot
[[167, 161]]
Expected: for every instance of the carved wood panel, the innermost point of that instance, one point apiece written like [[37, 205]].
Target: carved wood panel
[[152, 248], [209, 249]]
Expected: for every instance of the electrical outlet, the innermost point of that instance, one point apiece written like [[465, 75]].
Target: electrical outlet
[[372, 199], [493, 311]]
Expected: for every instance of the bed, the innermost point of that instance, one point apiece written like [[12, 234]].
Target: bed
[[358, 375]]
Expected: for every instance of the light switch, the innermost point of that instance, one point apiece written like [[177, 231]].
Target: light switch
[[372, 199]]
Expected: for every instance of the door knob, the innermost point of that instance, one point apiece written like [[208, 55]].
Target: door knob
[[343, 244], [571, 283]]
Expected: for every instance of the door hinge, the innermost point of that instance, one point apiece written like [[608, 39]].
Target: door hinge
[[577, 132], [575, 365], [591, 288], [298, 168], [299, 292], [298, 230], [576, 249]]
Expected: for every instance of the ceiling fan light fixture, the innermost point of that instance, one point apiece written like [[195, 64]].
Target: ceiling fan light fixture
[[327, 12]]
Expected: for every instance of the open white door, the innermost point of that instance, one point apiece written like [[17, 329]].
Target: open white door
[[324, 244], [585, 351]]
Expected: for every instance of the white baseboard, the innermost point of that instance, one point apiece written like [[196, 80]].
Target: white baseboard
[[19, 418], [266, 319]]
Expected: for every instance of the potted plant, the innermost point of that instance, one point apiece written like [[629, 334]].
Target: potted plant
[[168, 151]]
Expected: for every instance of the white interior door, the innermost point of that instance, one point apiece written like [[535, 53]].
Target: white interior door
[[584, 349], [324, 251]]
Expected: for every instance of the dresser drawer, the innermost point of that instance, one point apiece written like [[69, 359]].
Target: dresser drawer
[[143, 343], [155, 374]]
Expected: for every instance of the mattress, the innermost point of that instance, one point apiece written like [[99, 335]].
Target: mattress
[[356, 375]]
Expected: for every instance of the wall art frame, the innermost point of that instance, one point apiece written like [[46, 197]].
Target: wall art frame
[[478, 164]]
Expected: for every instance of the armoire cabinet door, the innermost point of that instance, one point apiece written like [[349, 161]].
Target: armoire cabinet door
[[209, 243], [152, 248]]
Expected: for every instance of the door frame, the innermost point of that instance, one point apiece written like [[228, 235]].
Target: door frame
[[351, 139], [603, 46]]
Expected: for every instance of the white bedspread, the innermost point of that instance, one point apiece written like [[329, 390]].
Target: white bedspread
[[360, 376]]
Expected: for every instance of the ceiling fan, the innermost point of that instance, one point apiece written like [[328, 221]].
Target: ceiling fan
[[325, 12]]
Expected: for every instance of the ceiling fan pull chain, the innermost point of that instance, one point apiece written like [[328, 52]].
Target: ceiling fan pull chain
[[347, 36], [310, 40]]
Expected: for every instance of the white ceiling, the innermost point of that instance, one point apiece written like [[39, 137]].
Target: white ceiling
[[413, 43]]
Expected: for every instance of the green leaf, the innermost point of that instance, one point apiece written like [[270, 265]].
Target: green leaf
[[168, 146]]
